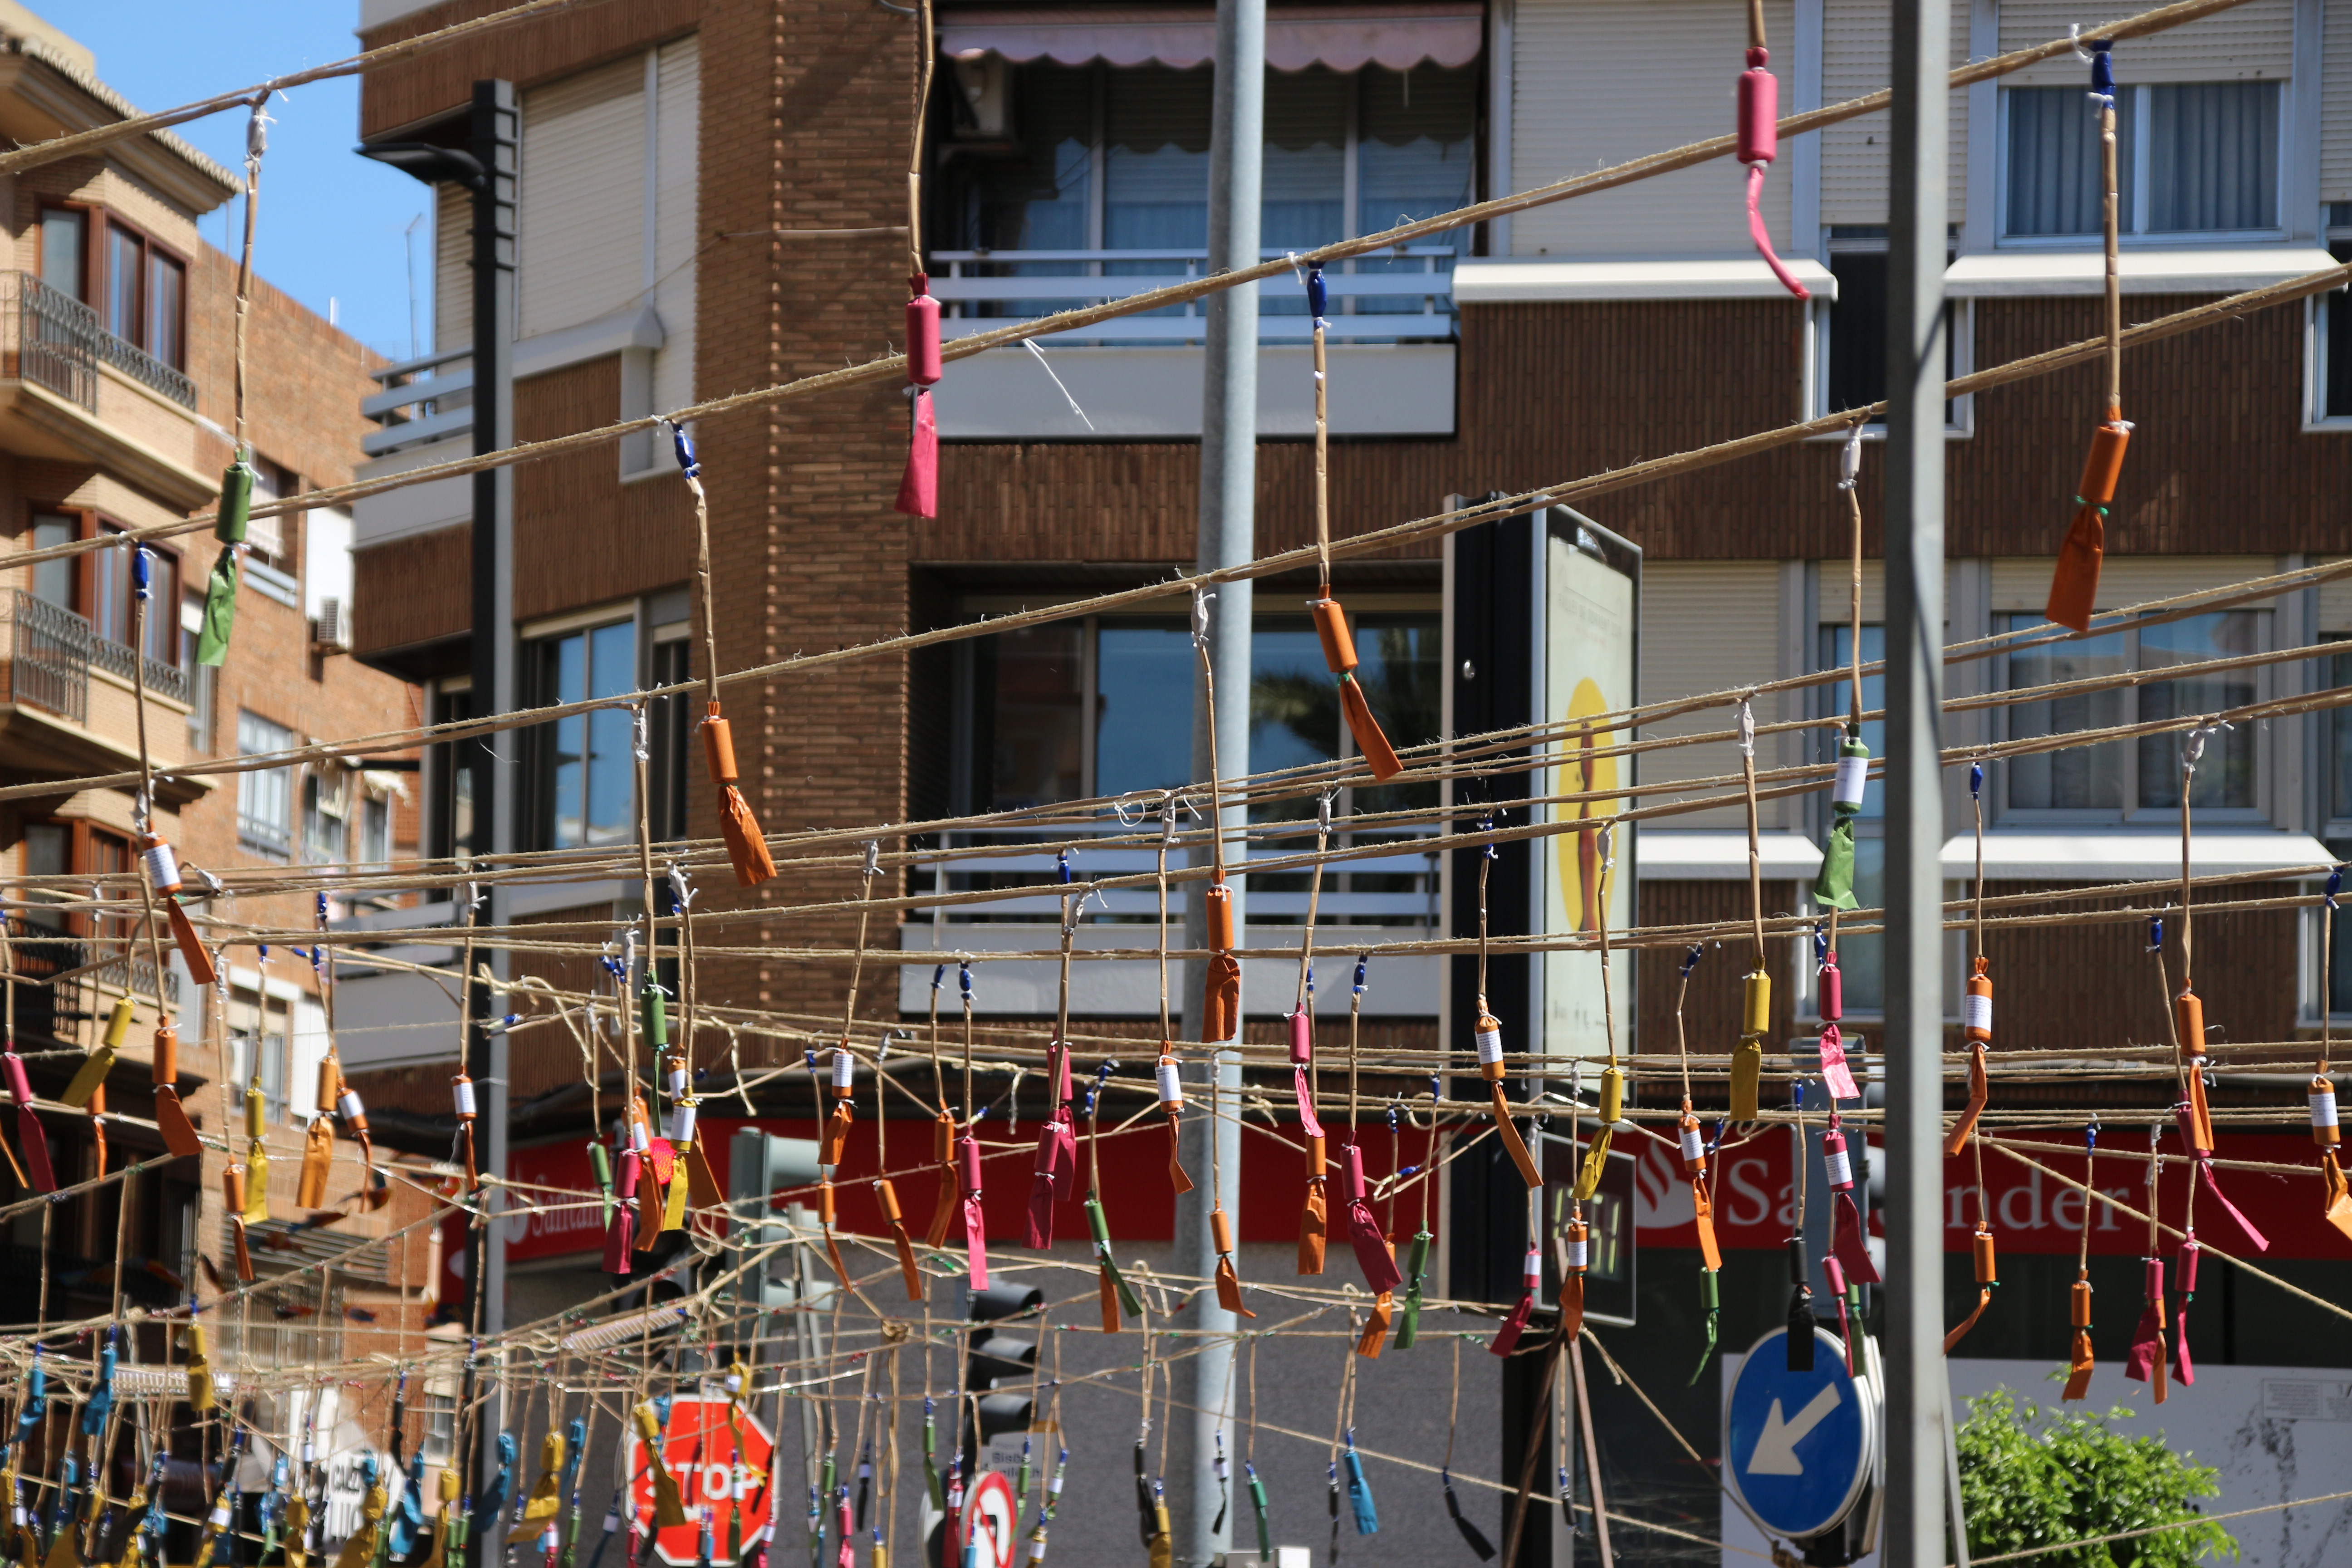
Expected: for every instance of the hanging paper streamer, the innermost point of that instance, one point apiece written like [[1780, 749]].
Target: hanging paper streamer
[[1837, 1074], [1340, 653], [1229, 1282], [1409, 1314], [623, 1222], [2336, 1192], [91, 1075], [1360, 1491], [1117, 1294], [319, 1159], [746, 847], [1975, 1028], [837, 1125], [229, 524], [2184, 1279], [546, 1496], [1054, 1176], [30, 1138], [162, 869], [1833, 886], [1169, 1079], [1981, 1248], [1759, 139], [1490, 1067], [1372, 1254], [1574, 1251], [948, 1194], [1314, 1214], [975, 1221], [2145, 1364], [1848, 1243], [2080, 1364], [1747, 1056], [918, 489], [2074, 585], [1506, 1338], [1596, 1153], [887, 1197]]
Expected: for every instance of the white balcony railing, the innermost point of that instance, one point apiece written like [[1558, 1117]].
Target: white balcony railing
[[426, 399], [1404, 294]]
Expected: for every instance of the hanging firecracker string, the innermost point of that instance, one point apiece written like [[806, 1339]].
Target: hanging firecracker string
[[1220, 1227], [1801, 1319], [975, 1219], [1833, 886], [835, 1136], [2081, 1362], [1330, 619], [1117, 1294], [2336, 1192], [1471, 1534], [1489, 1034], [1314, 1214], [1756, 988], [1221, 1001], [943, 1126], [2074, 585], [231, 520], [1981, 1248], [1849, 1243], [1694, 1162], [1612, 1106], [1054, 1177], [1167, 1073], [919, 487], [747, 847], [1759, 139], [2145, 1364], [1976, 1015], [1249, 1464]]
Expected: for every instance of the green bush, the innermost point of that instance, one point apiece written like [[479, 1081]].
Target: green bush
[[2028, 1480]]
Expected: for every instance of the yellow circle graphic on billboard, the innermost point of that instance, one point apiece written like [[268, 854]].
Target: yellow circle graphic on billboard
[[1583, 883]]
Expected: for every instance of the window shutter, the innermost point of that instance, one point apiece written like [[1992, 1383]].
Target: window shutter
[[2248, 41], [2336, 108], [678, 125], [1597, 83], [581, 244], [1704, 625], [453, 268], [1858, 58]]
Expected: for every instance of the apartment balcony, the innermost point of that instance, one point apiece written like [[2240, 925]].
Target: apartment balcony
[[72, 391], [1391, 334], [423, 413], [66, 699], [65, 983]]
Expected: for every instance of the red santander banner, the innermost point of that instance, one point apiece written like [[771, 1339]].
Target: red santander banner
[[2031, 1209]]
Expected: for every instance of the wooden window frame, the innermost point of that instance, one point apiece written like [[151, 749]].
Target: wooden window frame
[[92, 218], [100, 276]]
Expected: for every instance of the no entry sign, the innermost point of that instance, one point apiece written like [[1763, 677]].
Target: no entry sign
[[991, 1521], [721, 1460]]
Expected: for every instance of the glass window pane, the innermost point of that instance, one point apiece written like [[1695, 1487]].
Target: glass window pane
[[611, 759], [566, 675], [1029, 719], [1417, 144], [2084, 778], [123, 283], [1837, 653], [2225, 774], [54, 580], [2213, 156], [2339, 946], [110, 608], [1293, 708], [2055, 186], [1155, 162], [63, 237], [1306, 163], [265, 798], [2339, 731], [1143, 706], [1397, 668], [165, 281]]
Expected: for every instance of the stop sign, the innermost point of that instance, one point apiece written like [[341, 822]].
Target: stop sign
[[991, 1521], [721, 1459]]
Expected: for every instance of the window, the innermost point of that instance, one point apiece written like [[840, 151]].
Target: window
[[202, 679], [1117, 160], [375, 831], [671, 720], [145, 294], [1103, 706], [326, 808], [258, 1031], [266, 538], [2191, 158], [2121, 778], [1853, 332], [54, 580], [265, 797], [583, 770], [451, 811], [47, 852], [65, 251]]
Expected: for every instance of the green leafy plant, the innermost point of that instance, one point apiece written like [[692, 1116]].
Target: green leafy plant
[[2033, 1479]]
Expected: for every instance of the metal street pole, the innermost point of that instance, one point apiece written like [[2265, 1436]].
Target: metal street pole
[[1916, 1407], [1212, 1147], [496, 145]]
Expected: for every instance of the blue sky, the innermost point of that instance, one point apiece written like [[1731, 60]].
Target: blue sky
[[331, 224]]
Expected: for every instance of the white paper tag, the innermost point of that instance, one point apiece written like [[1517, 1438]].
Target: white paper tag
[[2323, 1109], [1841, 1168], [1490, 1047], [1853, 773], [1976, 1011]]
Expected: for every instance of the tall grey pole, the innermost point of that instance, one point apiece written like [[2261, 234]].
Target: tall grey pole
[[1212, 1148], [497, 135], [1915, 813]]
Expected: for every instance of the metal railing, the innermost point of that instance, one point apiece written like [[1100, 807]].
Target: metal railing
[[163, 679], [48, 656], [426, 399], [1406, 293], [60, 343]]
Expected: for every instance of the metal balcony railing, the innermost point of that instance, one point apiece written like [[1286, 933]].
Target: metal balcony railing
[[48, 656], [50, 651], [426, 399], [60, 343], [1405, 294]]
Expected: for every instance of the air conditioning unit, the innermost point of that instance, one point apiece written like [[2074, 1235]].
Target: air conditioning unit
[[334, 627]]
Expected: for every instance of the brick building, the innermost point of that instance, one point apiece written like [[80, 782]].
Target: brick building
[[119, 395], [708, 195]]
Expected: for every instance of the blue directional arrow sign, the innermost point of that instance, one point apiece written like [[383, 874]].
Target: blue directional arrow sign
[[1797, 1446]]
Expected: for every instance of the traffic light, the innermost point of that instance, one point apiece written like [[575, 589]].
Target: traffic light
[[1002, 1359], [759, 1164]]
